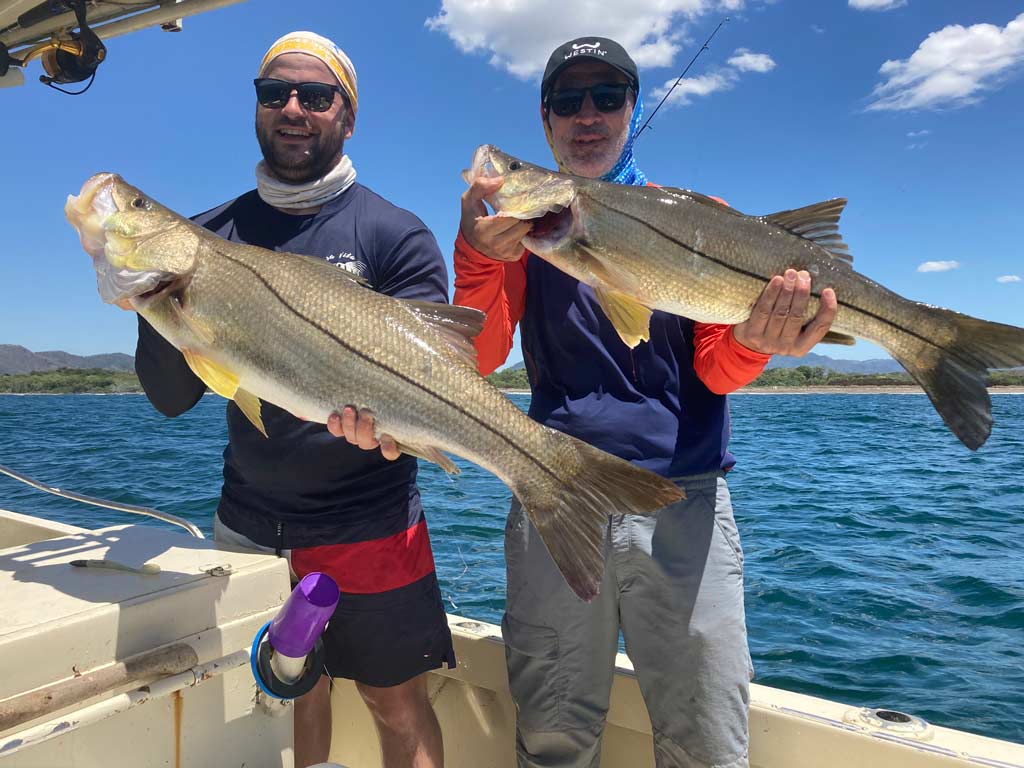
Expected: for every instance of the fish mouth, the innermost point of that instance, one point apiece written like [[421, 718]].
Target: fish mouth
[[93, 213], [550, 229], [88, 212], [482, 165]]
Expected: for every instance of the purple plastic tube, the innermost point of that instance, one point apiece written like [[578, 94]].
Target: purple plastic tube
[[303, 617]]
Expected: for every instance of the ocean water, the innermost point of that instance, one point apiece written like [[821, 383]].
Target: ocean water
[[884, 561]]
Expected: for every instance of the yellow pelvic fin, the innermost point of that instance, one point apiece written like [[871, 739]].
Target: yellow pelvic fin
[[432, 454], [251, 407], [216, 377], [630, 318], [225, 383]]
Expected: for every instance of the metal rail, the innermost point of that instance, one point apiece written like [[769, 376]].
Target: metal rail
[[135, 510]]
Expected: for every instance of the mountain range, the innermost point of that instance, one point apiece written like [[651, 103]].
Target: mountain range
[[16, 359], [877, 365]]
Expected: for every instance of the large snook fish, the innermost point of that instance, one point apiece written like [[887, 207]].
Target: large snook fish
[[646, 248], [310, 338]]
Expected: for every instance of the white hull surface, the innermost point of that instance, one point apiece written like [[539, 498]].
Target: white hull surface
[[57, 621]]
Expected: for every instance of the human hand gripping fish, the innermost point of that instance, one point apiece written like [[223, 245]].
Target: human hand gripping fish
[[294, 331], [648, 248]]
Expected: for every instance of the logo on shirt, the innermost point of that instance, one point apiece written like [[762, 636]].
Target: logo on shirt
[[345, 261]]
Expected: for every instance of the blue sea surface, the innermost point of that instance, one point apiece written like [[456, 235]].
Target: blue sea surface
[[884, 561]]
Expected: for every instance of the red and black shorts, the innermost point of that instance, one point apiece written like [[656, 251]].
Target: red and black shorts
[[390, 624]]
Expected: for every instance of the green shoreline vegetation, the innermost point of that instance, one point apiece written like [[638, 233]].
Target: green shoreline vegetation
[[64, 381], [70, 381], [801, 376]]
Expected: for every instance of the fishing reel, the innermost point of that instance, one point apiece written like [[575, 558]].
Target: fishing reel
[[287, 656], [70, 58]]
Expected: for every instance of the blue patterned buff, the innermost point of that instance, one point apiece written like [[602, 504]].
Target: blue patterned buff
[[625, 170]]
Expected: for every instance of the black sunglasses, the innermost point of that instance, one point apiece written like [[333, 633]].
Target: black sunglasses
[[274, 94], [607, 97]]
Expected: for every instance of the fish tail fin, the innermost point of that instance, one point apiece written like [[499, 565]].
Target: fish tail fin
[[950, 359], [571, 515]]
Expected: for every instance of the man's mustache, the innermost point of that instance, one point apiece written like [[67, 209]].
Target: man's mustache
[[592, 131]]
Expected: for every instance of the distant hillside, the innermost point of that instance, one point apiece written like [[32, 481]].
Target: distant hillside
[[15, 359], [882, 365], [878, 365]]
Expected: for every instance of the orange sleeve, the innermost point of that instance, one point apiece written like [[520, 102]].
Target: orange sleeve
[[721, 362], [496, 288]]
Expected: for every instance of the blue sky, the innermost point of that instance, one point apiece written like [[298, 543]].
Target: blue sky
[[912, 110]]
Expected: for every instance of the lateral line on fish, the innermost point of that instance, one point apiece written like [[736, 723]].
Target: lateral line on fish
[[392, 371], [853, 307]]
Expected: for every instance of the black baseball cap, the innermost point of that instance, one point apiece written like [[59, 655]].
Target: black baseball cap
[[584, 49]]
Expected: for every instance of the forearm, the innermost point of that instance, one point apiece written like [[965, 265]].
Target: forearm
[[498, 290], [722, 363], [167, 380]]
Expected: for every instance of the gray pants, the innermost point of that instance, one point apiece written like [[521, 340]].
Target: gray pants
[[674, 584]]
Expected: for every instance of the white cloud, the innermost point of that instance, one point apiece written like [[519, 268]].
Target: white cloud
[[1008, 279], [817, 29], [938, 266], [952, 67], [704, 85], [917, 134], [748, 61], [519, 35], [722, 79], [876, 5], [922, 145]]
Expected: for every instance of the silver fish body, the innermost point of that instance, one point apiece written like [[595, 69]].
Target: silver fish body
[[658, 248], [300, 333]]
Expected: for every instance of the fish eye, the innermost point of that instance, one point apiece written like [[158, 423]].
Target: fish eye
[[515, 165], [140, 202]]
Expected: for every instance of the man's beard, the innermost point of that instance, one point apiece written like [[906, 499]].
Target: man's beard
[[297, 166], [604, 154]]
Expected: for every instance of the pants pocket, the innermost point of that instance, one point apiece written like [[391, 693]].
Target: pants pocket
[[534, 676]]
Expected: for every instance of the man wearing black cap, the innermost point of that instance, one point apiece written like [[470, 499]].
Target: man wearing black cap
[[672, 583]]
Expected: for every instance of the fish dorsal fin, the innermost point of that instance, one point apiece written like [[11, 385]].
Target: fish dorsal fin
[[818, 223], [225, 383], [430, 453], [458, 325], [630, 318]]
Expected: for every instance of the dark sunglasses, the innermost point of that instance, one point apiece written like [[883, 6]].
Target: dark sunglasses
[[607, 97], [274, 94]]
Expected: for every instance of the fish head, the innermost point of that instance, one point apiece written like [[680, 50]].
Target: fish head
[[139, 248], [528, 192]]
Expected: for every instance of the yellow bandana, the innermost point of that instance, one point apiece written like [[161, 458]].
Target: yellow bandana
[[321, 48]]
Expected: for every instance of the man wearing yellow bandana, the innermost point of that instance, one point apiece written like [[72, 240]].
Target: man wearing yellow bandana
[[338, 506]]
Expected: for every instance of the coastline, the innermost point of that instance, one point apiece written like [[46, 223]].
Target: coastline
[[864, 390]]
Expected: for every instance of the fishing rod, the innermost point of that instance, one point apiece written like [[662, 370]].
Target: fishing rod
[[165, 516], [680, 78]]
